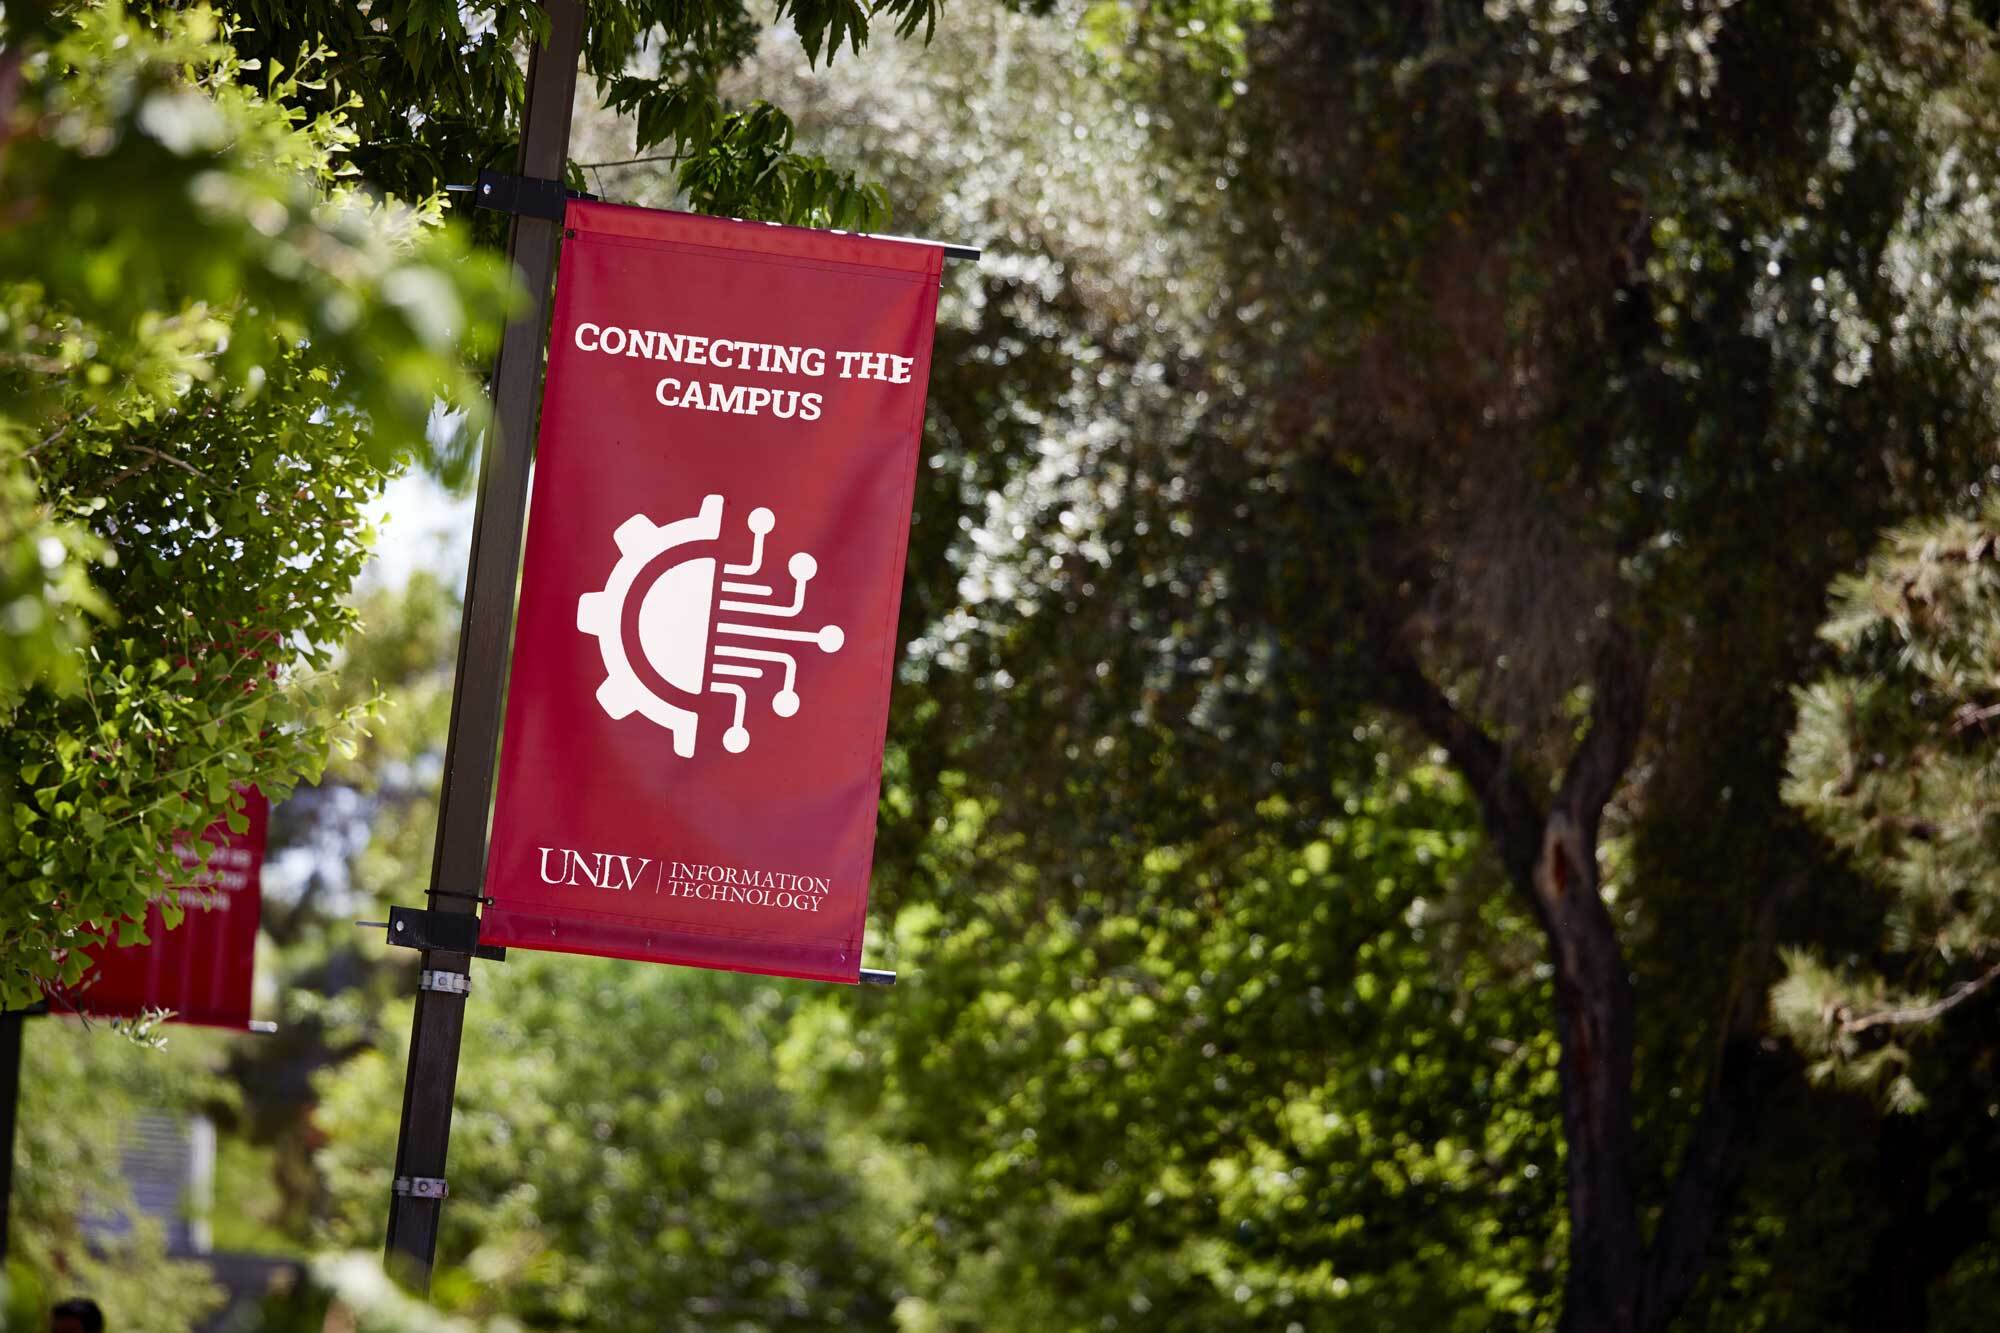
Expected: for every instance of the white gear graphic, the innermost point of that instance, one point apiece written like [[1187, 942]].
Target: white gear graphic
[[675, 625]]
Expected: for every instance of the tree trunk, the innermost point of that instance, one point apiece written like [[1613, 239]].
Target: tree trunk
[[1550, 855], [1595, 1027]]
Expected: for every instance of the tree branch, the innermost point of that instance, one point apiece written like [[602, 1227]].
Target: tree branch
[[634, 161], [1617, 718], [1513, 818], [1923, 1013], [62, 430], [159, 456]]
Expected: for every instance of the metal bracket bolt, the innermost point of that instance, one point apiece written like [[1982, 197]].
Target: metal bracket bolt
[[448, 983], [422, 1187]]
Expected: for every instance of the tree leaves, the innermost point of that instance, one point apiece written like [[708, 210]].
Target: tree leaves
[[749, 171], [603, 1179], [739, 162], [228, 593], [172, 228], [1218, 1091], [824, 25], [1893, 759], [82, 1089]]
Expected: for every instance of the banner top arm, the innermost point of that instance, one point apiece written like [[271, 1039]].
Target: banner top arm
[[540, 197]]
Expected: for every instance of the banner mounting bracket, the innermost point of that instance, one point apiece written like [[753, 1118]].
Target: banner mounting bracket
[[450, 932], [523, 196]]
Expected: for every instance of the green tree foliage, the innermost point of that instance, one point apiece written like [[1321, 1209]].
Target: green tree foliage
[[365, 829], [1894, 760], [81, 1089], [1039, 1085], [176, 231], [440, 91], [217, 347], [1281, 1087], [1542, 367], [620, 1159], [1453, 364]]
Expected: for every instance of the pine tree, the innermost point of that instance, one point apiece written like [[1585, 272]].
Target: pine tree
[[1895, 760]]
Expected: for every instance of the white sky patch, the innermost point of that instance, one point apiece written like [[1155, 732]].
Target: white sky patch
[[419, 525]]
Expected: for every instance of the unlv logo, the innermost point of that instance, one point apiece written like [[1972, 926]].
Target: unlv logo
[[665, 636]]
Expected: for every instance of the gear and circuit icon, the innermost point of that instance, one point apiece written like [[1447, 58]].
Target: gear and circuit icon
[[666, 636]]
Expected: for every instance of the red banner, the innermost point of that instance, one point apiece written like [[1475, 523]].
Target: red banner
[[201, 969], [707, 633]]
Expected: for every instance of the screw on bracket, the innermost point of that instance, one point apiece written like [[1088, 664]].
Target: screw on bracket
[[445, 983], [422, 1187]]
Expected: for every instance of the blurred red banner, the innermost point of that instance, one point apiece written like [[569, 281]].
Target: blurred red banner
[[201, 970], [707, 633]]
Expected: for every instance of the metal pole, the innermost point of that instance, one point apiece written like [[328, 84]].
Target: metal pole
[[458, 866], [11, 1023]]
